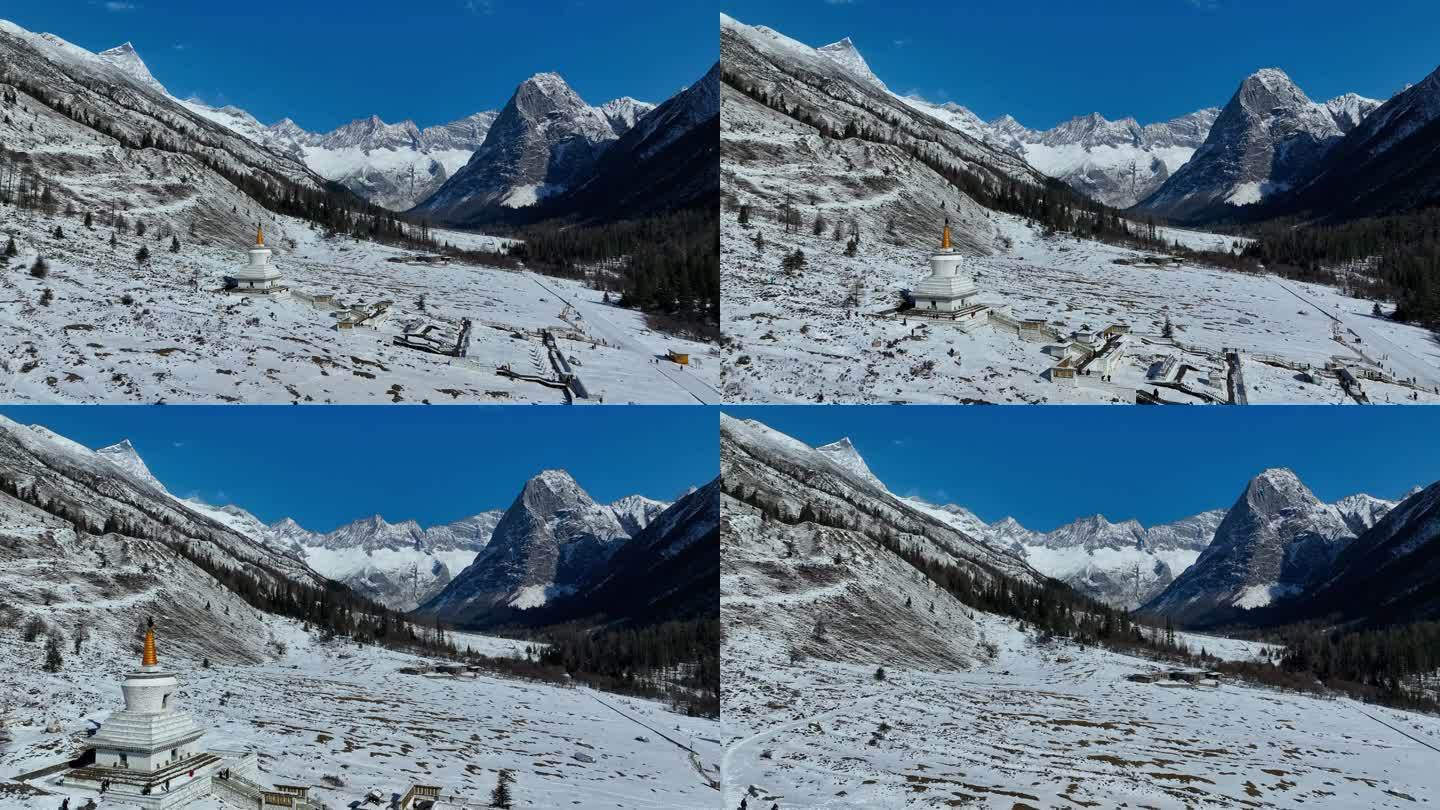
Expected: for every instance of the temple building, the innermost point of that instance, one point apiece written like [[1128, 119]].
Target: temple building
[[949, 292], [260, 276]]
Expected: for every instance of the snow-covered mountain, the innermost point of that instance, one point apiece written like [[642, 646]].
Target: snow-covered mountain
[[391, 165], [84, 121], [1388, 163], [545, 140], [91, 539], [402, 565], [1277, 540], [809, 556], [1392, 570], [1117, 163], [1268, 139], [624, 113], [399, 565], [844, 455], [785, 110], [668, 160], [1121, 564], [669, 571], [550, 541]]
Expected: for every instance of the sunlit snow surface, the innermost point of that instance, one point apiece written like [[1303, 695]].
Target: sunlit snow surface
[[338, 710], [1052, 725], [182, 341], [793, 338]]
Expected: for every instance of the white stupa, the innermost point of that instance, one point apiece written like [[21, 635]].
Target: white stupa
[[949, 291], [259, 277], [148, 754]]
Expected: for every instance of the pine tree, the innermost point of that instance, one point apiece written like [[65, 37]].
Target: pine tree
[[142, 255], [53, 660], [500, 796], [174, 244], [11, 251]]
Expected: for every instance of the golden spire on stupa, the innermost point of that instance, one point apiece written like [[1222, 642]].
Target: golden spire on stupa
[[945, 237], [150, 659], [260, 237]]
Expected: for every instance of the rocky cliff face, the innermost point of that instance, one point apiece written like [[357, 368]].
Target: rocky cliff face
[[1267, 140], [550, 541], [1277, 540], [545, 140]]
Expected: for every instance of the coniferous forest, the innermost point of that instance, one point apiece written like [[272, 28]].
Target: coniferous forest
[[667, 265]]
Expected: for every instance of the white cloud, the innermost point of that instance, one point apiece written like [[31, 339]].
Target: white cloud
[[900, 43], [480, 7], [119, 5]]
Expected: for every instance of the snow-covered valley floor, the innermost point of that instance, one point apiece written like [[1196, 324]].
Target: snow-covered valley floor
[[795, 338], [112, 331], [335, 710], [1052, 725]]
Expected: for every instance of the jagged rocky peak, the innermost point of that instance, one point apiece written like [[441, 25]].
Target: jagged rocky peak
[[844, 455], [846, 55], [546, 92], [1268, 88], [1350, 109], [552, 490], [1275, 489], [124, 455], [125, 59], [373, 133], [624, 112], [1094, 130]]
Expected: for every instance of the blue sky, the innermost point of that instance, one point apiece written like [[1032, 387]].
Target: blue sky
[[1048, 465], [1049, 60], [326, 466], [327, 62]]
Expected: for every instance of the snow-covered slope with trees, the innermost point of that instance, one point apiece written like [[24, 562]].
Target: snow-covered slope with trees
[[813, 557], [813, 130]]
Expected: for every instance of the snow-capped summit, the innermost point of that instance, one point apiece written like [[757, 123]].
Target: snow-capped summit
[[552, 539], [636, 511], [126, 457], [543, 141], [846, 55], [1276, 540], [1266, 140], [373, 133], [127, 61], [1350, 109], [844, 455], [1388, 163], [624, 112], [1115, 162]]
